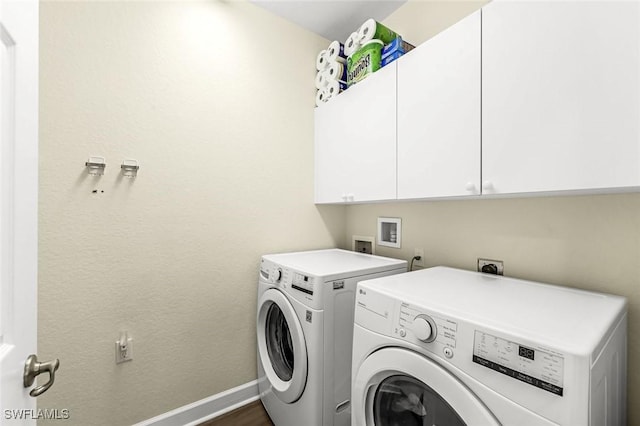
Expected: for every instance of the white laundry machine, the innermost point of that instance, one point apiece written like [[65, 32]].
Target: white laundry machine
[[442, 346], [305, 331]]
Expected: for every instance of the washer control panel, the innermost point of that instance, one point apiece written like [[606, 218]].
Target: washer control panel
[[537, 367], [432, 331]]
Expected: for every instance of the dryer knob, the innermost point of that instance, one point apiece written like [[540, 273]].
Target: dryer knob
[[424, 329], [277, 275]]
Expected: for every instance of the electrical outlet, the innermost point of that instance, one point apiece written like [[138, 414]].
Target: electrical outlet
[[418, 252], [124, 349], [490, 266]]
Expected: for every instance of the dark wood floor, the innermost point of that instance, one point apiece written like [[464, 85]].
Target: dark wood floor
[[252, 414]]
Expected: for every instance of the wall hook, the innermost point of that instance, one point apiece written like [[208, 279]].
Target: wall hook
[[130, 168], [96, 165]]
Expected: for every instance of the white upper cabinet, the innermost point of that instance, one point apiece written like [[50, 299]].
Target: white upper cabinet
[[355, 142], [560, 96], [439, 114], [524, 97]]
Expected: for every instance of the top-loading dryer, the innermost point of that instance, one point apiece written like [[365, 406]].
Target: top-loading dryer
[[305, 329], [451, 347]]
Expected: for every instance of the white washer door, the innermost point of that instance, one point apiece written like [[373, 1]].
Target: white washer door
[[281, 344], [395, 386]]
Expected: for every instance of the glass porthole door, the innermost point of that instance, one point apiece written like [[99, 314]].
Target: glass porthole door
[[282, 347], [279, 344], [399, 387], [404, 400]]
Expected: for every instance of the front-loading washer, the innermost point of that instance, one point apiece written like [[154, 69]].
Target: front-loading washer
[[305, 331], [442, 346]]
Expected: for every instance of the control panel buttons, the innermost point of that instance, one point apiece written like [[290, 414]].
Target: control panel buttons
[[448, 352], [424, 328]]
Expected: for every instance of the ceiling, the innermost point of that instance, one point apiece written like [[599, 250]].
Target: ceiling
[[332, 19]]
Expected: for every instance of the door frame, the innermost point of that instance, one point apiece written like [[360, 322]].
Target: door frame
[[18, 201]]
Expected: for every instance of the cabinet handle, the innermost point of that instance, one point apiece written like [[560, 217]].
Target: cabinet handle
[[344, 197], [487, 185], [349, 197], [470, 187]]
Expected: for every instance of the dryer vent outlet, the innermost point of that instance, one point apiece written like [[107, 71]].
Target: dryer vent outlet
[[489, 266]]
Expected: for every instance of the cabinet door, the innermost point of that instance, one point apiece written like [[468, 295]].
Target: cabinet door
[[560, 95], [439, 114], [355, 142]]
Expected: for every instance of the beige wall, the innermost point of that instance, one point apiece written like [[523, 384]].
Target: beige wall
[[419, 20], [589, 242], [215, 99]]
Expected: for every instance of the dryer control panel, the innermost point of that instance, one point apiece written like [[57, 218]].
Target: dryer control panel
[[303, 287], [302, 283]]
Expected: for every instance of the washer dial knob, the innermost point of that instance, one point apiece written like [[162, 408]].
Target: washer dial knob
[[424, 328], [276, 275]]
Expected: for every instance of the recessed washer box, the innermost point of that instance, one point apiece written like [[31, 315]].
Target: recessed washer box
[[389, 231], [363, 244]]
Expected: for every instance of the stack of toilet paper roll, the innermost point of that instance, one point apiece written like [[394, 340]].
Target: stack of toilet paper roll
[[335, 65], [370, 30], [331, 78]]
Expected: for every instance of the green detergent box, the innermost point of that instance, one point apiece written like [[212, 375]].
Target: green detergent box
[[364, 62]]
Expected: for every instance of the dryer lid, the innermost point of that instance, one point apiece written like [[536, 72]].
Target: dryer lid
[[336, 264]]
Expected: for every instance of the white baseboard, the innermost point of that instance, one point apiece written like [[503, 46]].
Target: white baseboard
[[208, 408]]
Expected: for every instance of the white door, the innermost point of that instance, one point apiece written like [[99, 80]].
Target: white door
[[18, 201], [439, 114], [398, 386], [281, 345]]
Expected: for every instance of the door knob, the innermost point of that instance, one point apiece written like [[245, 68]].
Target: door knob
[[33, 368]]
